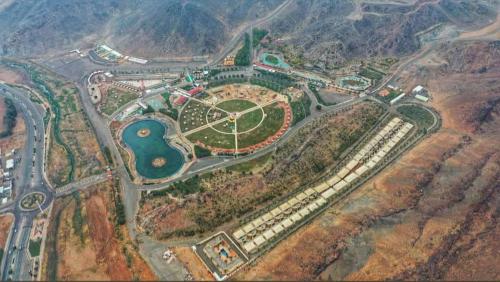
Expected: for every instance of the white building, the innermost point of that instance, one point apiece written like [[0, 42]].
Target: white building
[[393, 101], [9, 164], [420, 93], [418, 89], [422, 98]]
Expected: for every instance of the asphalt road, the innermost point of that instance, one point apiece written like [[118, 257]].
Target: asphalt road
[[15, 264], [131, 191], [228, 47]]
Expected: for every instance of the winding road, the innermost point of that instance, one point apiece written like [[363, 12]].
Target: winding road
[[30, 178], [15, 263]]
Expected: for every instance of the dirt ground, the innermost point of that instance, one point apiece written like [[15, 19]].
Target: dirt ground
[[11, 76], [99, 251], [5, 223], [431, 215], [331, 95], [193, 264], [491, 32], [254, 93], [18, 137]]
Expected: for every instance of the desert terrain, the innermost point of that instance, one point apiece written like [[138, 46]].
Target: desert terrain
[[420, 201], [5, 223], [431, 215], [85, 242]]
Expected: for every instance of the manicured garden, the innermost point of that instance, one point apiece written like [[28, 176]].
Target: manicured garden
[[236, 105], [274, 118]]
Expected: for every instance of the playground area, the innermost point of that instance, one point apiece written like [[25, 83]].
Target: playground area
[[236, 118]]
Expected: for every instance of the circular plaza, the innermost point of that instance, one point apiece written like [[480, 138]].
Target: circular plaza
[[235, 118]]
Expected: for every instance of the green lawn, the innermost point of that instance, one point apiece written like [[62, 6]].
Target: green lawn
[[116, 99], [213, 138], [193, 115], [236, 105], [272, 123], [372, 74], [421, 116], [272, 59], [34, 247], [353, 82], [392, 94], [249, 120], [225, 126], [300, 109]]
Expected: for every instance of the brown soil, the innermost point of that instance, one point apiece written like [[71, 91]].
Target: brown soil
[[193, 264], [11, 76], [74, 127], [5, 223], [431, 215], [102, 235], [491, 32], [101, 255]]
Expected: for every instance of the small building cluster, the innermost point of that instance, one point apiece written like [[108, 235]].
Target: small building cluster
[[421, 93], [265, 229], [220, 255], [229, 61], [183, 98], [109, 54], [8, 164]]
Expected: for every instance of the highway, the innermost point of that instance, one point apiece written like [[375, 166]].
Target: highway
[[15, 264]]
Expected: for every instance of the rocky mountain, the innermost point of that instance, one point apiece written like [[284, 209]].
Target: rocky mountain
[[331, 32], [325, 32], [145, 28]]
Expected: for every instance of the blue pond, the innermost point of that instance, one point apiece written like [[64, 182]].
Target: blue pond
[[154, 157]]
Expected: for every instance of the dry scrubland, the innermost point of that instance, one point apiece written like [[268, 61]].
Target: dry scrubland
[[433, 214], [74, 152], [18, 137], [5, 223], [222, 196], [11, 76], [86, 243], [76, 132]]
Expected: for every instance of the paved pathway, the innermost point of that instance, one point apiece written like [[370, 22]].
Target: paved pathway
[[81, 184], [227, 118]]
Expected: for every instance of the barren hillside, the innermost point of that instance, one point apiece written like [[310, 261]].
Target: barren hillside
[[432, 215], [144, 28], [326, 32], [329, 33]]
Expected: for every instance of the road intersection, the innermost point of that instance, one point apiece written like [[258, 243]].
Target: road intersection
[[15, 263]]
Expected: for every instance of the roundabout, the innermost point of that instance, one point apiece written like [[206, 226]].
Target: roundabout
[[32, 201]]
